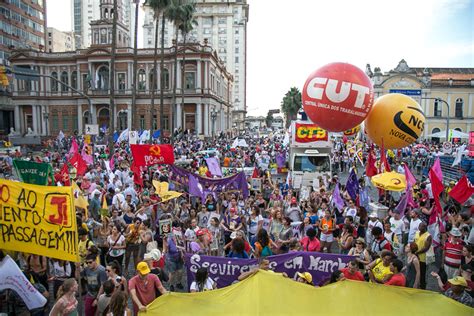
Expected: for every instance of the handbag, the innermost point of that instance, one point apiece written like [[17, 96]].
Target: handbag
[[430, 256]]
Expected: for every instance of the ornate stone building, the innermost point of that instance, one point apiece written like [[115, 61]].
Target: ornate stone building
[[453, 85]]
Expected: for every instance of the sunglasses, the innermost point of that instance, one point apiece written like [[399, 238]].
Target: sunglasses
[[89, 262]]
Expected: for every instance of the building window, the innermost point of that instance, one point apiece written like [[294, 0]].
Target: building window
[[437, 109], [459, 106], [435, 139], [54, 83], [122, 120], [166, 79], [141, 80], [152, 82], [65, 121], [121, 82], [102, 78], [54, 120], [190, 80], [142, 122], [74, 79], [85, 82], [65, 80], [155, 122], [103, 36], [166, 123], [236, 59]]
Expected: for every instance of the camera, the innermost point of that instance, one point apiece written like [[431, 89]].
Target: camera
[[118, 279]]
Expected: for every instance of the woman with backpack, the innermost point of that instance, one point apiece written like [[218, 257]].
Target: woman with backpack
[[310, 242], [262, 245]]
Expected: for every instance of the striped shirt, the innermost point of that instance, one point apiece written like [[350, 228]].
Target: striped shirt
[[453, 254]]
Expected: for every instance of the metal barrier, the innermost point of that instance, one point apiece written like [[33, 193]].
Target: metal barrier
[[452, 173]]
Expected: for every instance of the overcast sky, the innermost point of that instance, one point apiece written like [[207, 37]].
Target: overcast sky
[[287, 40]]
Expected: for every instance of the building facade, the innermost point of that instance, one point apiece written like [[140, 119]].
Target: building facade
[[87, 11], [22, 25], [47, 107], [224, 25], [58, 41], [425, 84]]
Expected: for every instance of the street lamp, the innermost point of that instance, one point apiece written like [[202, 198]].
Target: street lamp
[[213, 118], [447, 116]]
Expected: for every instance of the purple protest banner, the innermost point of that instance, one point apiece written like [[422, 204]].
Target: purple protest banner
[[225, 271], [237, 182], [214, 167]]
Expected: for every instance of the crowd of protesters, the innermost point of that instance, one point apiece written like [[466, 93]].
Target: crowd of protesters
[[125, 257]]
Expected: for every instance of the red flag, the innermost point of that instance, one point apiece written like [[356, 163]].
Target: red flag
[[370, 168], [78, 163], [255, 173], [147, 155], [137, 174], [462, 191], [63, 176], [436, 179], [383, 160]]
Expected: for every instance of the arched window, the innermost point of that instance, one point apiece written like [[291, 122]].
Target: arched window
[[459, 106], [151, 76], [74, 79], [65, 80], [435, 139], [141, 80], [85, 117], [102, 78], [166, 79], [437, 108], [54, 83], [122, 120]]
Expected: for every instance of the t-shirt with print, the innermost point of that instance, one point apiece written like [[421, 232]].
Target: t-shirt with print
[[380, 271], [397, 280], [206, 287], [94, 279]]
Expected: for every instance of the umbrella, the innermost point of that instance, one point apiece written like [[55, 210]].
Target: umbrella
[[421, 146], [452, 133], [391, 181]]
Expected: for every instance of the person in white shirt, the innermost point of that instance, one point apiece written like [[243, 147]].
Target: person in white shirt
[[350, 210], [373, 222], [203, 282], [414, 223], [118, 199]]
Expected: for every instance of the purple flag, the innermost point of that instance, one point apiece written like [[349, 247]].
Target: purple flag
[[409, 176], [402, 204], [213, 166], [226, 271], [410, 201], [281, 159], [352, 185], [336, 198], [195, 188]]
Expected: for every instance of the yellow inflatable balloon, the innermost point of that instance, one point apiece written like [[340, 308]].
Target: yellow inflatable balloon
[[396, 120]]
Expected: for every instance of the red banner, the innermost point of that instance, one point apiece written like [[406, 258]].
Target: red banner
[[307, 133], [147, 155], [471, 144]]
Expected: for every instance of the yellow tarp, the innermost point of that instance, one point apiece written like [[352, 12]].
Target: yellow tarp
[[391, 181], [268, 293]]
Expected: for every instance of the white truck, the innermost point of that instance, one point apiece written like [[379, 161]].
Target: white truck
[[310, 154]]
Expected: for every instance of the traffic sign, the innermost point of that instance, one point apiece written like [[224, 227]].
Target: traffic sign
[[447, 147]]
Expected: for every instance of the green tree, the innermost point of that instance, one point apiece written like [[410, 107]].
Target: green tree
[[159, 7], [269, 119], [291, 104]]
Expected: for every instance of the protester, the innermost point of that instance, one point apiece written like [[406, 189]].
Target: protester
[[310, 242], [143, 287], [305, 278], [423, 241], [396, 278], [452, 252], [202, 282], [66, 303], [351, 272], [379, 269], [118, 305], [94, 275], [413, 270], [457, 291]]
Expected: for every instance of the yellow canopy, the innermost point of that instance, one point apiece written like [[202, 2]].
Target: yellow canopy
[[391, 181], [268, 293]]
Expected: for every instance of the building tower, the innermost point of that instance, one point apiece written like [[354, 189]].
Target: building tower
[[101, 29]]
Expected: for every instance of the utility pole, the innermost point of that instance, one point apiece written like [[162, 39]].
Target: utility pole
[[447, 116], [112, 79]]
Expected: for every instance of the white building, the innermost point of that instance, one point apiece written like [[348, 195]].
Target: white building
[[224, 25], [58, 41], [86, 11]]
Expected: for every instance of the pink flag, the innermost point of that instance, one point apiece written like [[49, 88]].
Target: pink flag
[[74, 148], [112, 163], [409, 176], [86, 155], [436, 178]]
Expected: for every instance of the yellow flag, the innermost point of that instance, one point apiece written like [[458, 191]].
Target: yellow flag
[[79, 199], [169, 195], [104, 204], [160, 187]]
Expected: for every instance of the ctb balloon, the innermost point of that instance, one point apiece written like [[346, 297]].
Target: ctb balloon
[[396, 120], [338, 96]]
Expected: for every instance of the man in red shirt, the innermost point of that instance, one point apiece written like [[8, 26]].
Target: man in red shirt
[[143, 287], [397, 278], [351, 272], [452, 252]]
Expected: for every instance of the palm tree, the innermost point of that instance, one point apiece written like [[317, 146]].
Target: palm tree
[[291, 104], [187, 26], [135, 62], [159, 7], [177, 12]]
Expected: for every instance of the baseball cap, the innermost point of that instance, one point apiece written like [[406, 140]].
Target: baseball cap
[[142, 268], [200, 232], [374, 215], [307, 276], [154, 254], [455, 232], [459, 280], [293, 200]]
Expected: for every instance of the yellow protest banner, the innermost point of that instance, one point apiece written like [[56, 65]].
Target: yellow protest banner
[[38, 219], [160, 187], [169, 195]]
